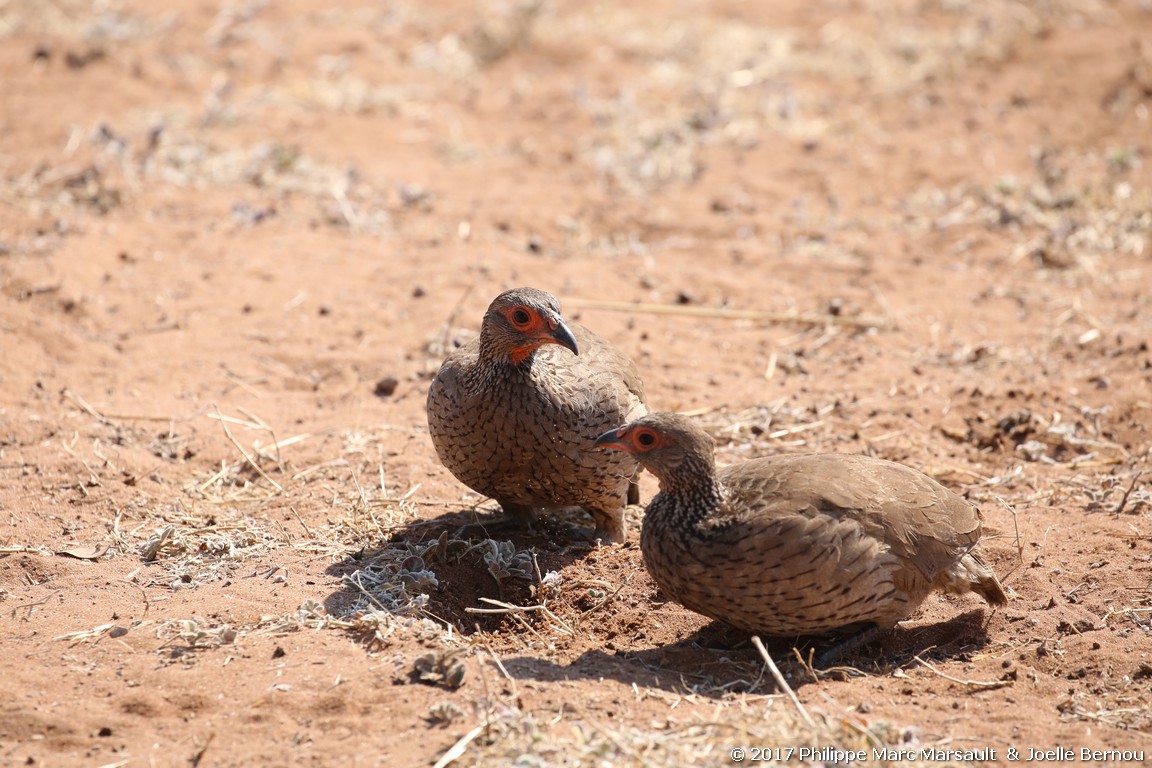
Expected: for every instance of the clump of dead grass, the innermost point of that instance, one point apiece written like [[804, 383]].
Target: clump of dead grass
[[779, 426], [508, 736], [105, 168], [727, 82], [1073, 216], [396, 579], [78, 20], [195, 549]]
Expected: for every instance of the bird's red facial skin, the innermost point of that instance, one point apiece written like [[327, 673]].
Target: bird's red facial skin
[[525, 320], [636, 440], [536, 331], [520, 354], [643, 439]]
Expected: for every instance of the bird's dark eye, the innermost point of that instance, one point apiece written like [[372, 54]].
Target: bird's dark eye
[[521, 317], [646, 439]]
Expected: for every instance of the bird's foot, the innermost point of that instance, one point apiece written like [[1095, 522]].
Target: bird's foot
[[846, 645], [610, 527], [488, 529]]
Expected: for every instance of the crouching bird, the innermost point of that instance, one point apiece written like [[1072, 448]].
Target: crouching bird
[[804, 544], [513, 414]]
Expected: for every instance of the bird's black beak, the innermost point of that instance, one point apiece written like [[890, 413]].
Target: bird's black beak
[[563, 336], [611, 439]]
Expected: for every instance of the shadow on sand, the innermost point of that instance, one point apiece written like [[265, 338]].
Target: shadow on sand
[[718, 659], [454, 546]]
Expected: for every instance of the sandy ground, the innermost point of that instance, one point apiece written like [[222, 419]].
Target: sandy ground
[[236, 239]]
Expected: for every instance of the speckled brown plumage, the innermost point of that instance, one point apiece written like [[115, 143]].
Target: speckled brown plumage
[[514, 414], [799, 544]]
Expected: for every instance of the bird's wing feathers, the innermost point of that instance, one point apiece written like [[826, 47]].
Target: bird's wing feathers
[[604, 373], [916, 517]]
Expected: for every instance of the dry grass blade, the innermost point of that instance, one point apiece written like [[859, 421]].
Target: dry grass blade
[[117, 764], [986, 685], [85, 634], [780, 681], [1128, 492], [251, 461], [20, 549], [755, 315], [111, 418], [35, 603], [456, 751]]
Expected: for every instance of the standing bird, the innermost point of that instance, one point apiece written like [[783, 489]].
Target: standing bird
[[800, 544], [514, 414]]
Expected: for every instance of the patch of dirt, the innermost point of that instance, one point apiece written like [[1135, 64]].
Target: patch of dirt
[[236, 241]]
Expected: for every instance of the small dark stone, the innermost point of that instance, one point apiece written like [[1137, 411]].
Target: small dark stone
[[279, 653], [418, 292], [76, 60], [386, 386], [325, 310], [104, 732]]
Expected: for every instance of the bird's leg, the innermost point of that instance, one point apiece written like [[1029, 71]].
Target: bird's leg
[[516, 516], [850, 643], [610, 526], [521, 514]]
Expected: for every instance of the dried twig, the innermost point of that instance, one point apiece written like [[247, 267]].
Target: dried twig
[[198, 755], [1124, 499], [449, 323], [500, 665], [780, 681], [608, 598], [506, 608]]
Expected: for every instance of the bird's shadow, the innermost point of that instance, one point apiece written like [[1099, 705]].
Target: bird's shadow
[[717, 659], [475, 555], [714, 660]]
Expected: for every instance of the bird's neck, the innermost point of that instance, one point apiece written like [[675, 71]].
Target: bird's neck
[[497, 362], [696, 490]]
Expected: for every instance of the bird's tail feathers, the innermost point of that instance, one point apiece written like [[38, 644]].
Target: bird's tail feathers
[[972, 574]]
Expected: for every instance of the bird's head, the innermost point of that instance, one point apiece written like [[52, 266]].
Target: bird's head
[[663, 443], [520, 321]]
